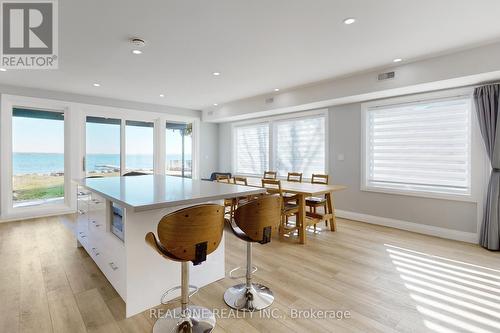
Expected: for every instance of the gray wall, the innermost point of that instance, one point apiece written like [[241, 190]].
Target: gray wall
[[345, 138], [209, 148]]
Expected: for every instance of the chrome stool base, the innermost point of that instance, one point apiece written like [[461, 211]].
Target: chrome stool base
[[201, 320], [257, 297]]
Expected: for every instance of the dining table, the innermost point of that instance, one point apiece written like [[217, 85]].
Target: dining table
[[301, 192]]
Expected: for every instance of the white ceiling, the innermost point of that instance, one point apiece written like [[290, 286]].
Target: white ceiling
[[257, 45]]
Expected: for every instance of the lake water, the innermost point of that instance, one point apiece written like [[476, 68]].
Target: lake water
[[30, 163]]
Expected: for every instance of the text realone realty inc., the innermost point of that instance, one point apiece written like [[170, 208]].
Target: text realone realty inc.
[[269, 313]]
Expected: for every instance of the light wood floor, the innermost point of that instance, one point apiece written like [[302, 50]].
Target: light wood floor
[[389, 280]]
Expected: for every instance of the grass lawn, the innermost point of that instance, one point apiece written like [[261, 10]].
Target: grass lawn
[[36, 187]]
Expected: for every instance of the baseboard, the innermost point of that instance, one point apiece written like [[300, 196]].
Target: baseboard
[[458, 235]]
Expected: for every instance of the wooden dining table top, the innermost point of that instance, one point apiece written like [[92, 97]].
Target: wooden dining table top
[[300, 188]]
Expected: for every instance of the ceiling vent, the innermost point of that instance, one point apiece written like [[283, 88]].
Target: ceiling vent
[[138, 42], [386, 76]]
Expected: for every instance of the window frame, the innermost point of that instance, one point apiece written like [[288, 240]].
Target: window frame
[[272, 121], [464, 93]]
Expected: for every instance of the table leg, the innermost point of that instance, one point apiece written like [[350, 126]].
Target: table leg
[[331, 210], [301, 199]]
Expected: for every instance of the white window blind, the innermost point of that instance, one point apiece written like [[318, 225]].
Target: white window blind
[[300, 146], [419, 147], [252, 148]]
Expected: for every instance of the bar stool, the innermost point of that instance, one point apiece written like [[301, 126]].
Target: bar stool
[[253, 223], [189, 234]]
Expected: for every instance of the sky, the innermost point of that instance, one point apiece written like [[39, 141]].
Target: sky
[[37, 135], [47, 136]]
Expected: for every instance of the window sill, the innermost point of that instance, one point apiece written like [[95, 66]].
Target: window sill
[[421, 194], [35, 212]]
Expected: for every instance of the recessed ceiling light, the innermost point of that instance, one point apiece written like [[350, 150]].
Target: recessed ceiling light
[[96, 84], [162, 95], [349, 20], [3, 70], [397, 60], [277, 89], [215, 104], [215, 73], [136, 51]]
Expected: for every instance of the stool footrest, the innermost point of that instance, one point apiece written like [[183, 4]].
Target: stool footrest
[[166, 293], [254, 269]]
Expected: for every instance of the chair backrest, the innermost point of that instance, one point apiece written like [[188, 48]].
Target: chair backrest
[[240, 180], [214, 175], [273, 186], [134, 173], [294, 177], [189, 234], [223, 179], [319, 179], [270, 174], [258, 217]]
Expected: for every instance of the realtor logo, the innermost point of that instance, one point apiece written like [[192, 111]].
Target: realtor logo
[[29, 34]]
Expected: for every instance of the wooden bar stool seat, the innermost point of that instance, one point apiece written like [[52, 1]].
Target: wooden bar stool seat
[[189, 234], [253, 222]]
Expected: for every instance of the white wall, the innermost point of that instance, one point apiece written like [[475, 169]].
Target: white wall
[[94, 100], [209, 149], [468, 67]]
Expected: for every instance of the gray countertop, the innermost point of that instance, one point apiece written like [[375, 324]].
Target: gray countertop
[[156, 191]]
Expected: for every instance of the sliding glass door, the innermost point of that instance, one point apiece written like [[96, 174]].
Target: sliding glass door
[[179, 144], [103, 138], [37, 157], [139, 146]]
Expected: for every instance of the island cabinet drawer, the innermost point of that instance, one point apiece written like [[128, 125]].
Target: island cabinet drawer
[[97, 213], [110, 257], [96, 227]]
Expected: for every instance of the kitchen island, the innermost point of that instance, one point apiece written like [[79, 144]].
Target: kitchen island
[[115, 214]]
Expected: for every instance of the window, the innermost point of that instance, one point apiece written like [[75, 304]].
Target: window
[[282, 144], [139, 146], [421, 147], [37, 157], [252, 149], [179, 144], [103, 146], [300, 146]]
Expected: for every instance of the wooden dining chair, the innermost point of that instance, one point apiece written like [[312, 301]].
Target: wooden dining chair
[[294, 177], [288, 208], [314, 202], [224, 179], [270, 174], [229, 204], [244, 182], [240, 180], [189, 234]]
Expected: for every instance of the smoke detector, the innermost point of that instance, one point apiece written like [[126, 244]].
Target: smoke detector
[[138, 42]]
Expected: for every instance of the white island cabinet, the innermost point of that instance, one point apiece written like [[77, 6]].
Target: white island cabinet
[[115, 214]]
